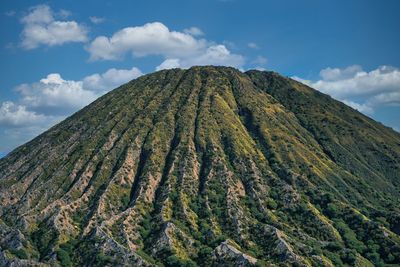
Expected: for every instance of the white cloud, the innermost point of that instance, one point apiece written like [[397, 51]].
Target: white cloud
[[180, 49], [353, 81], [305, 81], [150, 39], [362, 90], [44, 103], [334, 74], [41, 28], [53, 93], [214, 55], [194, 31], [96, 20], [16, 115], [18, 124], [110, 79], [392, 98], [170, 63], [38, 14], [364, 108]]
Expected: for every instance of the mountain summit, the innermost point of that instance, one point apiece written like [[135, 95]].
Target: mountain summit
[[208, 166]]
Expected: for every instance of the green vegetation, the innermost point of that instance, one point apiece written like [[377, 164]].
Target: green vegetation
[[102, 259], [65, 253], [165, 169], [64, 258], [19, 253], [44, 239]]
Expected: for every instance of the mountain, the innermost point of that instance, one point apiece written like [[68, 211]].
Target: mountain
[[208, 166]]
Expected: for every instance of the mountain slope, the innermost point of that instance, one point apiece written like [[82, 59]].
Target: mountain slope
[[206, 166]]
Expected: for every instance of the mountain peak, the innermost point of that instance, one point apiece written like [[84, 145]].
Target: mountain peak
[[207, 166]]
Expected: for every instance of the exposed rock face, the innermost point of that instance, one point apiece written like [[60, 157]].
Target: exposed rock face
[[227, 254], [205, 166]]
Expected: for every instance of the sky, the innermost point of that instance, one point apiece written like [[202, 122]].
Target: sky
[[58, 56]]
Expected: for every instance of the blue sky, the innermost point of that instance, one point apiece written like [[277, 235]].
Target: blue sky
[[57, 56]]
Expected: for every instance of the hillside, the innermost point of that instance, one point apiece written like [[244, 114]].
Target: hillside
[[208, 166]]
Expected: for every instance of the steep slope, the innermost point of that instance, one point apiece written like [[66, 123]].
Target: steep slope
[[207, 166]]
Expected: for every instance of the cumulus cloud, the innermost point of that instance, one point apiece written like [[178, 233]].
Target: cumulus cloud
[[18, 124], [180, 49], [214, 55], [375, 88], [335, 74], [41, 28], [391, 98], [353, 81], [42, 104], [170, 63], [364, 108], [110, 79], [150, 39], [54, 94], [12, 114]]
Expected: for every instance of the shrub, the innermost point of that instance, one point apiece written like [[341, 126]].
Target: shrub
[[204, 256], [349, 257], [20, 253], [272, 204], [174, 261], [349, 237], [64, 258], [102, 259], [332, 210]]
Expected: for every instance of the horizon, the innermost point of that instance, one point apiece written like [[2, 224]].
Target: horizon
[[60, 56]]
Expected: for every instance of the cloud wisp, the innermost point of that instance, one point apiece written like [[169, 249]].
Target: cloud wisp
[[362, 90], [194, 31], [96, 20], [253, 45]]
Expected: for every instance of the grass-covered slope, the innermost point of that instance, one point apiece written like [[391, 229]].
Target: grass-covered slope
[[207, 166]]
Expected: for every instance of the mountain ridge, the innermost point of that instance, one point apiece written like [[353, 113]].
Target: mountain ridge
[[189, 167]]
